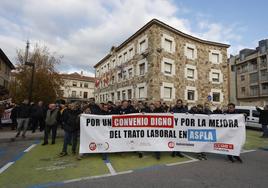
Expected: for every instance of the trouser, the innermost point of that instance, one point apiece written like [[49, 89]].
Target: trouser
[[48, 129], [38, 122], [265, 130], [70, 137], [22, 123]]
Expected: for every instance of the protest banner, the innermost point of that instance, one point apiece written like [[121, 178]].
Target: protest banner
[[221, 133], [5, 119]]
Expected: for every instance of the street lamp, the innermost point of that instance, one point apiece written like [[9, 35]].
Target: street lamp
[[30, 64]]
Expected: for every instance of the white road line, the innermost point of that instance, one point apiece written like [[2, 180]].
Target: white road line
[[183, 162], [189, 157], [247, 151], [96, 177], [6, 167], [29, 148], [111, 169]]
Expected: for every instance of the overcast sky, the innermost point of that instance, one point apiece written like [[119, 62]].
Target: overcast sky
[[83, 31]]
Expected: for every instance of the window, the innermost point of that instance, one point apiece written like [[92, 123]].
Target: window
[[190, 53], [243, 111], [243, 90], [112, 96], [215, 77], [168, 68], [167, 92], [130, 73], [124, 95], [112, 80], [75, 84], [131, 54], [264, 75], [118, 95], [168, 45], [264, 88], [129, 94], [73, 93], [255, 113], [254, 90], [253, 78], [141, 92], [86, 85], [216, 96], [232, 68], [190, 73], [142, 46], [85, 95], [191, 95], [81, 85], [125, 57], [142, 68], [80, 93], [242, 77], [120, 59], [119, 76], [124, 75], [108, 66], [215, 57]]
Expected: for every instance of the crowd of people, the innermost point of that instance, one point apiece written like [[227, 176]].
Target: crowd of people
[[49, 118]]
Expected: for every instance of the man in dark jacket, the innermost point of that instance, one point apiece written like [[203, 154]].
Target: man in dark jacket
[[231, 110], [178, 108], [52, 122], [23, 117], [158, 109], [71, 125], [38, 116], [94, 108], [124, 109], [263, 120]]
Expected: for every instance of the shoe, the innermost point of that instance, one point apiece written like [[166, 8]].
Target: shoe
[[204, 156], [230, 157], [17, 135], [52, 143], [158, 157], [140, 155], [62, 154], [199, 156], [79, 157], [238, 159], [173, 154], [33, 131], [178, 154], [45, 143], [23, 136], [73, 152]]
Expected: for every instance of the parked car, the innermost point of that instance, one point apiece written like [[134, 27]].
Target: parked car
[[252, 115]]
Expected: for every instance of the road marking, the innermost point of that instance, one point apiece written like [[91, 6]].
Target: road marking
[[6, 167], [247, 151], [183, 162], [29, 148], [111, 169], [194, 159]]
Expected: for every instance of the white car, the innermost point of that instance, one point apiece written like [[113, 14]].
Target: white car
[[252, 119]]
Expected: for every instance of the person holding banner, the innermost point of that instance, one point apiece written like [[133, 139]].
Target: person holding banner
[[178, 108], [158, 109], [231, 110]]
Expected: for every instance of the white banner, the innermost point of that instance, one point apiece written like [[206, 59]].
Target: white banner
[[6, 116], [221, 133]]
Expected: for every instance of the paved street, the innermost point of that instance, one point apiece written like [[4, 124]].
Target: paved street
[[215, 172]]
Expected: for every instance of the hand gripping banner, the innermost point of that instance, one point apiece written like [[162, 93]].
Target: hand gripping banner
[[219, 133]]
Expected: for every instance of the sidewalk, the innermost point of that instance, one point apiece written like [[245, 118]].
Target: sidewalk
[[6, 134]]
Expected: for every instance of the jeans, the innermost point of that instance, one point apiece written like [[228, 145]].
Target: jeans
[[265, 130], [22, 123], [70, 137], [47, 132]]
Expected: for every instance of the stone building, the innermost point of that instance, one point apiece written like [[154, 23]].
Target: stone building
[[159, 62], [77, 87], [5, 71], [249, 76]]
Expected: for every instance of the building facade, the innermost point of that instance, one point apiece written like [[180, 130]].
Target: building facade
[[5, 70], [159, 62], [249, 76], [77, 87]]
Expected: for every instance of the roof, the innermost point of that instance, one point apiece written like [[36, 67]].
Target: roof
[[5, 59], [76, 76], [168, 27]]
